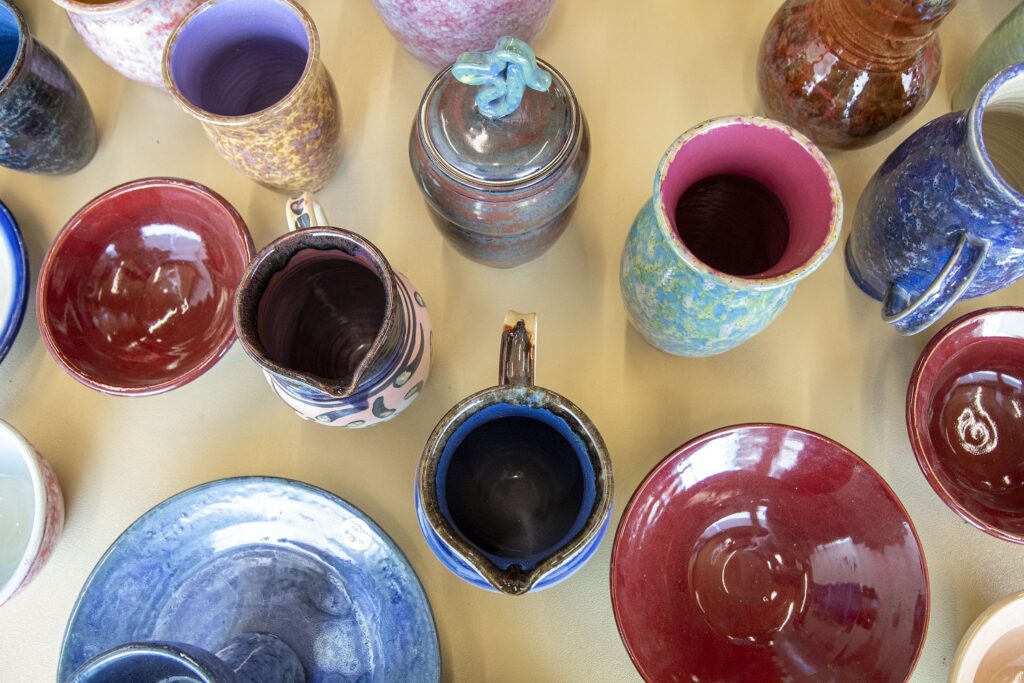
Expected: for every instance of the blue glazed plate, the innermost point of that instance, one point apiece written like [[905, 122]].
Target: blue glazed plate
[[258, 554], [13, 280]]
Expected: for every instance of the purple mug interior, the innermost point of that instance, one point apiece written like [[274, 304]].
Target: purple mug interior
[[748, 199], [239, 57]]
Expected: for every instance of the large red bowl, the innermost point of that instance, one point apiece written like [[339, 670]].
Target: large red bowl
[[768, 553], [965, 416], [135, 294]]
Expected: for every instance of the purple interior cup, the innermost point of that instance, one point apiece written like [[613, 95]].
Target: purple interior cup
[[239, 57]]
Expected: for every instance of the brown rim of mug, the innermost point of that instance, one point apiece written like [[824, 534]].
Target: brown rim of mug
[[312, 62], [576, 420], [208, 361], [91, 8], [21, 56]]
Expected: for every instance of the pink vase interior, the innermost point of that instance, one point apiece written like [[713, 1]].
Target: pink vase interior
[[748, 199]]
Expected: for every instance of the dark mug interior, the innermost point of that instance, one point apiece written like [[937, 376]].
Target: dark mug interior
[[239, 57], [321, 312], [517, 483]]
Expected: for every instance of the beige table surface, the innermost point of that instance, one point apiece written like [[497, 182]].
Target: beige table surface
[[644, 71]]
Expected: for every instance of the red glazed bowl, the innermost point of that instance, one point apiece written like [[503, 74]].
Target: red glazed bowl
[[764, 552], [965, 417], [135, 293]]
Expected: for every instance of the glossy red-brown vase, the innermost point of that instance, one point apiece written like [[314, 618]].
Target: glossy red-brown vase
[[845, 72]]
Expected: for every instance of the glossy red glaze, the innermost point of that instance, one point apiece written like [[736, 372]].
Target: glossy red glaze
[[965, 417], [768, 553], [135, 294]]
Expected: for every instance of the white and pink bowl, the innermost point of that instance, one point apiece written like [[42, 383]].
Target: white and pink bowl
[[992, 650], [31, 512]]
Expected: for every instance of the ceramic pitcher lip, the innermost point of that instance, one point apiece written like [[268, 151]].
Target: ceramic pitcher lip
[[111, 7], [312, 62], [735, 281], [534, 397], [21, 56], [976, 136], [247, 301]]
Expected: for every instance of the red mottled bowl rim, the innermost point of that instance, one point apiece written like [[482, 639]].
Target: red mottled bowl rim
[[914, 429], [40, 499], [243, 239], [684, 451]]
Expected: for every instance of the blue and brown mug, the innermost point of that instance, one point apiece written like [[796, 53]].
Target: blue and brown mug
[[514, 488]]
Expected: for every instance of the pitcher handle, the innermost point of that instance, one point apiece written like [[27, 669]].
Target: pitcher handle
[[910, 316], [304, 212], [518, 349]]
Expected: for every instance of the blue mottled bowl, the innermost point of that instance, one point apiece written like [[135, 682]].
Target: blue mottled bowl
[[266, 555], [13, 280]]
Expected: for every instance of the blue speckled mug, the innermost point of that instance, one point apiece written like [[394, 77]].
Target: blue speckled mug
[[943, 217], [743, 208], [514, 489]]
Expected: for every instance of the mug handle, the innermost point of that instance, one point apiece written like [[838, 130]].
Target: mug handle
[[304, 212], [911, 316], [518, 349]]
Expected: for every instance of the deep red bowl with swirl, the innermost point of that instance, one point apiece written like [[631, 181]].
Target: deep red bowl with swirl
[[965, 417], [767, 553]]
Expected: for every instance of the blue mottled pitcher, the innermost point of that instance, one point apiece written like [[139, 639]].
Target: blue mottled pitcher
[[942, 218], [743, 208]]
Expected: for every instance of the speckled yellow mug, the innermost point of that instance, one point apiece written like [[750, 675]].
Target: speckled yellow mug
[[250, 72]]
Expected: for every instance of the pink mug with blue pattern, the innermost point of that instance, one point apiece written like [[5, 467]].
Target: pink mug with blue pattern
[[342, 338]]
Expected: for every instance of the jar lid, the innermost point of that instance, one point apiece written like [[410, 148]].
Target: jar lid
[[520, 124]]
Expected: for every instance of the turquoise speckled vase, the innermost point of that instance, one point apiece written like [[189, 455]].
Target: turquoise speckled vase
[[1002, 48], [743, 208]]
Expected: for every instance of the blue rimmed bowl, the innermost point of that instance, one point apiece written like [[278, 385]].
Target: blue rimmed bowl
[[261, 555], [13, 280]]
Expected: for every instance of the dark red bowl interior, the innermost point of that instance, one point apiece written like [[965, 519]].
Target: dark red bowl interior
[[768, 553], [135, 294], [965, 416]]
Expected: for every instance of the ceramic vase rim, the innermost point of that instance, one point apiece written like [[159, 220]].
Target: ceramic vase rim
[[30, 458], [981, 625], [88, 9], [914, 427], [286, 101], [156, 647], [356, 511], [976, 136], [241, 234], [254, 348], [668, 461], [20, 267], [448, 425], [21, 56], [671, 236], [570, 147]]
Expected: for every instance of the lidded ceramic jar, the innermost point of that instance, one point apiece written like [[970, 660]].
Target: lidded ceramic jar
[[500, 166]]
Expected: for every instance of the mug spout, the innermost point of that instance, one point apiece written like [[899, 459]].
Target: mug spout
[[515, 580]]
